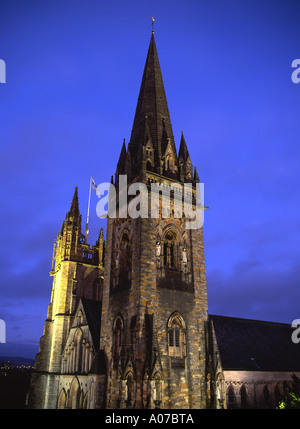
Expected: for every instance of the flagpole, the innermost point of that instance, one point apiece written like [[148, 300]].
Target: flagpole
[[88, 213]]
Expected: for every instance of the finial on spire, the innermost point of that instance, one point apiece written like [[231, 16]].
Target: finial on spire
[[153, 20]]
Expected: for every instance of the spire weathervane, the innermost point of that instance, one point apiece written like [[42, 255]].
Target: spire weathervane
[[153, 20]]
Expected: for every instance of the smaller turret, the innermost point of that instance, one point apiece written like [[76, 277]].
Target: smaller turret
[[185, 164], [70, 243]]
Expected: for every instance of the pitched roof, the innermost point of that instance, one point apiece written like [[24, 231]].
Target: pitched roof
[[255, 345], [92, 311]]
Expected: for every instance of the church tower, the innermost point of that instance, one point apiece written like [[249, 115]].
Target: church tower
[[154, 306], [77, 271]]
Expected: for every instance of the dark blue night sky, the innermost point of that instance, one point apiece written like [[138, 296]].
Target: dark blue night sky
[[73, 72]]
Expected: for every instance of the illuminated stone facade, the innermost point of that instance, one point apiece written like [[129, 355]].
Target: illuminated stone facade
[[128, 325]]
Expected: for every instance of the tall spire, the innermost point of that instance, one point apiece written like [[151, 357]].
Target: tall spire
[[73, 215], [152, 102]]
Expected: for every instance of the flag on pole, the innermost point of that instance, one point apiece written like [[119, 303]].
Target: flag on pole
[[94, 184]]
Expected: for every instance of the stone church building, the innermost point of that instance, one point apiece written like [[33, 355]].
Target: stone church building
[[128, 324]]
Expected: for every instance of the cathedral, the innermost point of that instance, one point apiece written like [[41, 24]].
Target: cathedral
[[128, 323]]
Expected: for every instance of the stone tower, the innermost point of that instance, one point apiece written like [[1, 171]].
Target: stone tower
[[77, 271], [154, 305]]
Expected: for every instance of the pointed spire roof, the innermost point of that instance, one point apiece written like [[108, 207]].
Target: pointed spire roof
[[73, 214], [123, 152], [122, 158], [183, 150], [196, 176], [152, 102], [75, 204]]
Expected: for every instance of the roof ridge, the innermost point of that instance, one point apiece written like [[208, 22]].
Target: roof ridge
[[250, 320]]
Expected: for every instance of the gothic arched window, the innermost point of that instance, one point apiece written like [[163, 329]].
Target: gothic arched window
[[230, 398], [244, 398], [79, 351], [117, 338], [267, 398], [176, 336], [74, 398], [62, 399]]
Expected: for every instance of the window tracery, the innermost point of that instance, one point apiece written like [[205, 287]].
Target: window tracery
[[172, 252], [78, 355], [176, 336]]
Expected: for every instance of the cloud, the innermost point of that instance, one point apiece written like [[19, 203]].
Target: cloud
[[256, 292], [254, 272]]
